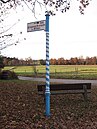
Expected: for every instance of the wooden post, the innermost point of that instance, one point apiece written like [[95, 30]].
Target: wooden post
[[85, 92]]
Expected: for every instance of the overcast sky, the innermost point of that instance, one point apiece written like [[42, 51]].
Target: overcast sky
[[71, 34]]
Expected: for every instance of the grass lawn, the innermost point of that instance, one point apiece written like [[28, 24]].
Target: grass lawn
[[58, 71], [22, 108]]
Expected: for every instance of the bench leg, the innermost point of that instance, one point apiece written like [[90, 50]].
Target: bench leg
[[44, 97], [85, 92]]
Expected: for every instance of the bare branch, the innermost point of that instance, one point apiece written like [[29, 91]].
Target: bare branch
[[5, 1], [84, 4], [57, 5], [9, 27], [7, 37], [27, 5], [33, 8]]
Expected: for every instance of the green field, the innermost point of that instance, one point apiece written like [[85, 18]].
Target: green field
[[58, 71]]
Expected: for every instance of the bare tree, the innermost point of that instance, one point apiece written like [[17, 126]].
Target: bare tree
[[7, 38], [62, 5]]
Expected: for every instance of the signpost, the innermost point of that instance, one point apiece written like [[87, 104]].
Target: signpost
[[38, 26], [47, 89]]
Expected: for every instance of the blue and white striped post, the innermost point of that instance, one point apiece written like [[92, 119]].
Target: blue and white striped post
[[47, 89]]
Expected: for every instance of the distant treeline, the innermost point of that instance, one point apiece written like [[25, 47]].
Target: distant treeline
[[7, 61]]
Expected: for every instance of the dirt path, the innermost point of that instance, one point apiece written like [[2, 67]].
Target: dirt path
[[93, 82]]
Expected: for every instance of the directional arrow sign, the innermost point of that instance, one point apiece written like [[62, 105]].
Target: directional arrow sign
[[36, 26]]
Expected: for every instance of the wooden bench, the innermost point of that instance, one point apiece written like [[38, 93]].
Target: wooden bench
[[71, 88]]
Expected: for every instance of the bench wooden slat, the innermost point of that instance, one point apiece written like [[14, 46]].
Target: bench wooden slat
[[65, 92], [55, 87]]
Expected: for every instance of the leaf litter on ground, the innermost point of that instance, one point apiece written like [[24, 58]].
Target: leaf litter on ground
[[22, 108]]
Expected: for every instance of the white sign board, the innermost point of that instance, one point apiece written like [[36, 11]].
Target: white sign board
[[36, 26]]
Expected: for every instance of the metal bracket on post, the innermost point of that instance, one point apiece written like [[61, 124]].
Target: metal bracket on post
[[47, 89]]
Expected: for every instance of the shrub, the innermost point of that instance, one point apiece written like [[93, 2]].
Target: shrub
[[7, 75], [0, 75]]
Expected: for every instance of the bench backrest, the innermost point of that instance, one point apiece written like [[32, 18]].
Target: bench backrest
[[72, 86]]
